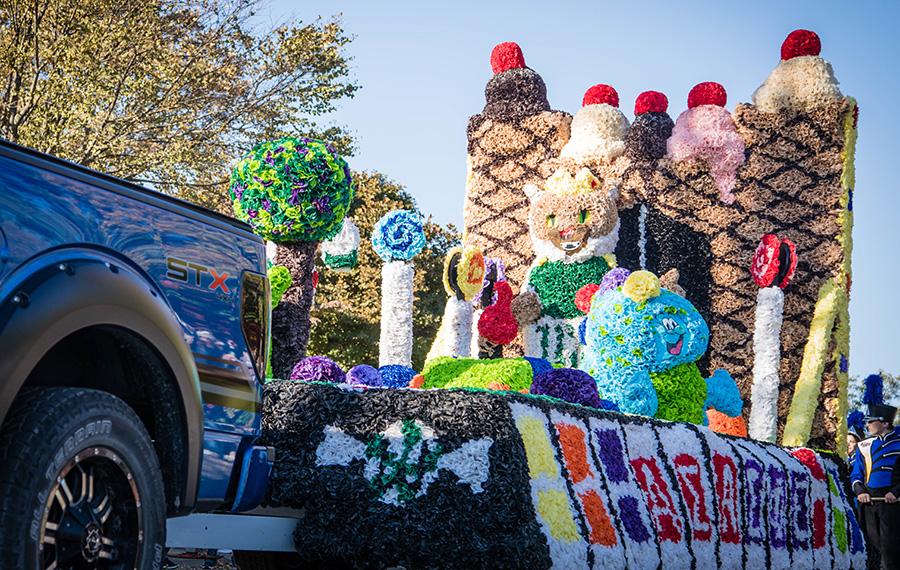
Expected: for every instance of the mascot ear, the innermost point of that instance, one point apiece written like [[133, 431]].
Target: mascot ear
[[531, 191], [613, 193]]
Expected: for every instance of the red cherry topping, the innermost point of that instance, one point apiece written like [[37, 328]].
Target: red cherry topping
[[505, 56], [600, 94], [709, 93], [651, 101], [800, 42]]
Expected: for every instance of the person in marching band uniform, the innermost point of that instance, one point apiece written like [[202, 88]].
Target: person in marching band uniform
[[876, 484]]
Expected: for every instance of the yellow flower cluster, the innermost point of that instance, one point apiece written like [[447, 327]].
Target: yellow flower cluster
[[470, 272], [541, 460], [640, 286], [553, 507]]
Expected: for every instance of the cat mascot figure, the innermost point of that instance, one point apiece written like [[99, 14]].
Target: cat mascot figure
[[574, 226]]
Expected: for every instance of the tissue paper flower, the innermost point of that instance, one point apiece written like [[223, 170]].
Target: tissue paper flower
[[398, 236], [340, 252], [292, 189]]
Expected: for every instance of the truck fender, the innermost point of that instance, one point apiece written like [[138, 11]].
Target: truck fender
[[66, 291]]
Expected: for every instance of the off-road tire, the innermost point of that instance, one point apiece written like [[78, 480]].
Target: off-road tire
[[72, 461]]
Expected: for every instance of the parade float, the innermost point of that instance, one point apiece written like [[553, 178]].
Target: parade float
[[644, 356]]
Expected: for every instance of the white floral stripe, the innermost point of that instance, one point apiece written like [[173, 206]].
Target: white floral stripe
[[766, 364], [730, 512], [454, 337], [756, 489], [820, 493], [549, 493], [395, 346], [605, 557], [637, 554], [685, 455], [642, 443], [801, 558]]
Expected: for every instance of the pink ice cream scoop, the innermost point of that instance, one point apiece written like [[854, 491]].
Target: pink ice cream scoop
[[706, 131]]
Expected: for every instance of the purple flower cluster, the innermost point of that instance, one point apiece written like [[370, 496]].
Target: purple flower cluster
[[365, 375], [609, 448], [613, 279], [569, 384], [318, 369]]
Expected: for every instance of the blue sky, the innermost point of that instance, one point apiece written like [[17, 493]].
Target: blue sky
[[423, 66]]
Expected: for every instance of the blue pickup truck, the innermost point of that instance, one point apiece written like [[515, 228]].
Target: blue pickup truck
[[134, 332]]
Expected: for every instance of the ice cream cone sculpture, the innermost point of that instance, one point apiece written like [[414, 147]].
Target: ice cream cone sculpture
[[508, 142], [707, 132]]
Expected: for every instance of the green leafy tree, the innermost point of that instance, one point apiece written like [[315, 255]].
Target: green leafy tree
[[347, 310], [857, 388], [169, 93]]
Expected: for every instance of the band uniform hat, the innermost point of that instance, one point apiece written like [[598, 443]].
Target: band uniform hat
[[882, 413], [857, 432]]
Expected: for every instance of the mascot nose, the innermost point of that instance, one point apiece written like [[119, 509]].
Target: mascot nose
[[566, 233]]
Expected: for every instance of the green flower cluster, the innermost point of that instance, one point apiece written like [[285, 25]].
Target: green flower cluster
[[280, 281], [449, 372], [292, 189], [681, 392], [556, 283]]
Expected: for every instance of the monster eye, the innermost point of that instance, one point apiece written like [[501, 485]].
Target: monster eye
[[551, 221], [584, 217], [669, 324]]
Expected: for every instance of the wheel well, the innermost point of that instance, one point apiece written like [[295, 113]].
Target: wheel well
[[126, 365]]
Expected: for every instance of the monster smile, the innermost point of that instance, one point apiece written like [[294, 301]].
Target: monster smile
[[675, 349]]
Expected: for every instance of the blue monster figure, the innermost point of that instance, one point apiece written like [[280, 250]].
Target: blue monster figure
[[642, 346]]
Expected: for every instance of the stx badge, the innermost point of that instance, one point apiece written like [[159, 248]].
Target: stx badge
[[180, 270]]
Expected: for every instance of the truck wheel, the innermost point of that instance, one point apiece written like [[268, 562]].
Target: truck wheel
[[80, 485]]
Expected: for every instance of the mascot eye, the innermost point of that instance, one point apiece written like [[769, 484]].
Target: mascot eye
[[669, 324], [551, 220], [584, 217]]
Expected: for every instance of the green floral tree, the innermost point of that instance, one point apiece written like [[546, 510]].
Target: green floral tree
[[294, 192]]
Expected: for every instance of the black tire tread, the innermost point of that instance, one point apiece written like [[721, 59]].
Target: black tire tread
[[31, 429]]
